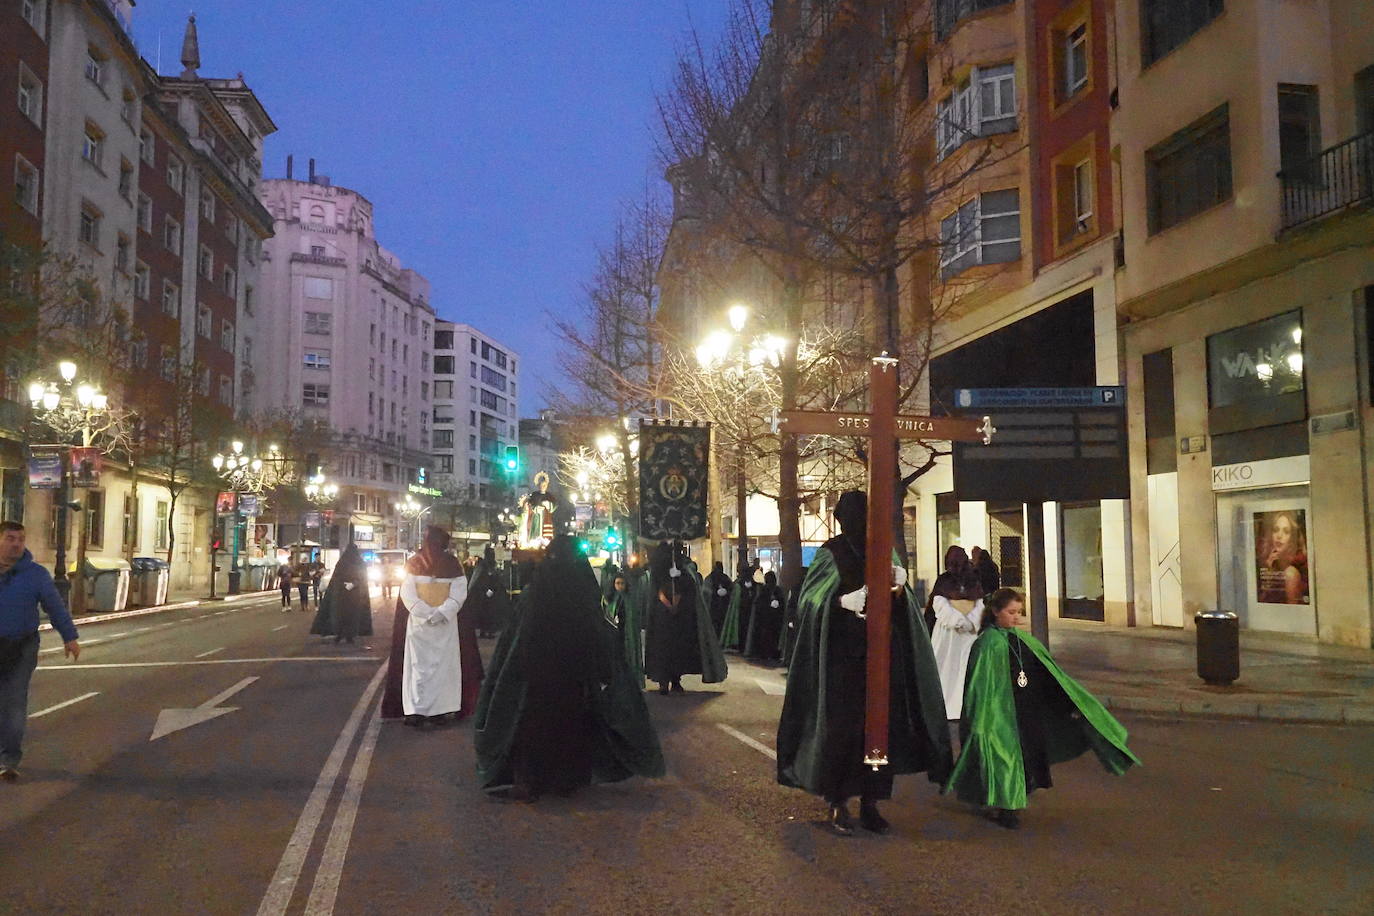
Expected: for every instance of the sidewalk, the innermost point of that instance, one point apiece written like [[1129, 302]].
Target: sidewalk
[[176, 601], [1154, 670]]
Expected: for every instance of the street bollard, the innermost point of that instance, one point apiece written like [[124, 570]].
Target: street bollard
[[1218, 647]]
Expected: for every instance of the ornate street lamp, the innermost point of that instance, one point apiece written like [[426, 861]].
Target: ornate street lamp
[[714, 354], [411, 510], [244, 473], [75, 412]]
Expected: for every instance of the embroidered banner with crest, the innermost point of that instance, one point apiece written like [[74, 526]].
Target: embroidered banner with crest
[[674, 462]]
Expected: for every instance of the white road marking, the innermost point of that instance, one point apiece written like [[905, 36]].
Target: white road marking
[[280, 628], [174, 720], [283, 884], [772, 688], [210, 652], [759, 746], [209, 661], [330, 870], [64, 705], [117, 635]]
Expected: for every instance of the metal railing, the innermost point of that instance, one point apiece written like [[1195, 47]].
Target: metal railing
[[1332, 180]]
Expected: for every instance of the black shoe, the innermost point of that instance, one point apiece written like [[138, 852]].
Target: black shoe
[[414, 721], [840, 824], [677, 687], [1005, 817], [9, 774], [871, 820], [663, 689]]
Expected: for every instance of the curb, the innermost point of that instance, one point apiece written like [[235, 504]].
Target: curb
[[1243, 709], [145, 611]]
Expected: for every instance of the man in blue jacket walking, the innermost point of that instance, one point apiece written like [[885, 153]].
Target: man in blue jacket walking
[[24, 585]]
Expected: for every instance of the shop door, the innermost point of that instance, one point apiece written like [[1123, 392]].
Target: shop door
[[1080, 553], [1264, 558], [1007, 531], [1166, 575]]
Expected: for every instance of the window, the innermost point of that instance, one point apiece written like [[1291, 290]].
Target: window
[[982, 105], [32, 11], [445, 464], [230, 281], [160, 534], [443, 365], [142, 281], [1300, 132], [1256, 362], [317, 359], [371, 403], [206, 263], [248, 299], [247, 350], [167, 363], [472, 443], [1073, 183], [171, 298], [26, 184], [121, 258], [95, 518], [319, 288], [318, 323], [492, 402], [146, 146], [130, 528], [30, 95], [317, 215], [472, 343], [443, 390], [424, 391], [472, 418], [1364, 101], [127, 106], [204, 321], [143, 213], [317, 251], [95, 65], [176, 173], [443, 438], [207, 206], [493, 378], [1166, 24], [315, 395], [226, 390], [226, 335], [985, 230], [93, 144], [948, 13], [1189, 172], [88, 228], [1074, 62], [443, 340], [171, 235]]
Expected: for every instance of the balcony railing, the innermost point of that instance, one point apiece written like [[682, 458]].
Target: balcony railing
[[1334, 179]]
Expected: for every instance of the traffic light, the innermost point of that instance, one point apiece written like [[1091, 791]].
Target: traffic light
[[512, 459], [583, 547], [216, 543], [611, 540]]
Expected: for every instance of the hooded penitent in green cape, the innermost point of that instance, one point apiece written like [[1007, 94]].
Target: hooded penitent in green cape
[[735, 630], [994, 765], [678, 637], [559, 707], [622, 613], [812, 755]]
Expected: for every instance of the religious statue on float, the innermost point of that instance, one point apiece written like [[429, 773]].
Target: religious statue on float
[[536, 516]]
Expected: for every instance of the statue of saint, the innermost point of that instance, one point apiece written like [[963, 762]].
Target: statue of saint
[[536, 517]]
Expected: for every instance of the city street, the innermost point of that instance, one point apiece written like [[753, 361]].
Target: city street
[[283, 806]]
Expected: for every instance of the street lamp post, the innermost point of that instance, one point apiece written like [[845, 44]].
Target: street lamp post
[[411, 510], [320, 492], [715, 353], [73, 410], [245, 474]]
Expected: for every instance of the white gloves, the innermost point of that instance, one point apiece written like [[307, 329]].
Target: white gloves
[[490, 593], [854, 601], [437, 620], [348, 586], [898, 576], [773, 603], [674, 572], [720, 592]]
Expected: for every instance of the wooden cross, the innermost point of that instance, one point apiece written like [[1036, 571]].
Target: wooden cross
[[884, 426]]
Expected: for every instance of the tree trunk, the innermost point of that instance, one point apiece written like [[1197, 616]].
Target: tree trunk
[[789, 454]]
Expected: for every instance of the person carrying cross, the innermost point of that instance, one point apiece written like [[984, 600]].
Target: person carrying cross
[[821, 737]]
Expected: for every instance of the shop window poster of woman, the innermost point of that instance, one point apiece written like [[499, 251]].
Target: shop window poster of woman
[[1281, 560]]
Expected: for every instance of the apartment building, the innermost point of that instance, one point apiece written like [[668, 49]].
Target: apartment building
[[349, 333], [476, 416], [1244, 141]]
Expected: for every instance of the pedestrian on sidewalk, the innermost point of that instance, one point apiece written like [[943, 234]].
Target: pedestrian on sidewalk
[[560, 708], [284, 581], [317, 576], [821, 732], [24, 586], [1021, 714], [302, 577]]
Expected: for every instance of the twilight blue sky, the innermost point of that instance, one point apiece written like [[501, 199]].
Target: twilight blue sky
[[495, 138]]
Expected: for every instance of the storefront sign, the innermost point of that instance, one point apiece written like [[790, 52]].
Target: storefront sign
[[45, 470], [249, 506], [363, 533], [86, 464], [425, 491], [1273, 472], [1256, 361]]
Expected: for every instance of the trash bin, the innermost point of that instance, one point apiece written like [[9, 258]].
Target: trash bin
[[107, 583], [1218, 647], [148, 587], [262, 573]]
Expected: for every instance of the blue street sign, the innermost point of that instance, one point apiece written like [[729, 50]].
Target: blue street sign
[[1098, 396]]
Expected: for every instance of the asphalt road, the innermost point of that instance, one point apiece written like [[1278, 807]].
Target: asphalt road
[[300, 800]]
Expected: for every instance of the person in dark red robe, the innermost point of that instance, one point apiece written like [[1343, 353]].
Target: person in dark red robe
[[434, 560]]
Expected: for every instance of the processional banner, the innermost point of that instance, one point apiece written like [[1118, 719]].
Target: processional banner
[[674, 464]]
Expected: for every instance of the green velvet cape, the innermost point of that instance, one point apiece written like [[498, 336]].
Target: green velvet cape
[[990, 770], [626, 744], [729, 630], [918, 732], [620, 606], [714, 670]]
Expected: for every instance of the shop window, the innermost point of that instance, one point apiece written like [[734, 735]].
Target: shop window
[[1255, 374], [1080, 559], [1161, 451]]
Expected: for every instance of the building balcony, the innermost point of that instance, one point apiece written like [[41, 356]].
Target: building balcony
[[949, 13], [1333, 180]]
